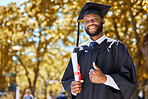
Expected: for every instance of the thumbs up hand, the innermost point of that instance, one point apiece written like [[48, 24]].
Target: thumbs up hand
[[96, 75]]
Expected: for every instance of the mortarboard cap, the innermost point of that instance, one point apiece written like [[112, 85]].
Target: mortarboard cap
[[92, 7]]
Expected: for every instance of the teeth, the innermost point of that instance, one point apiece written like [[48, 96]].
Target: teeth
[[91, 27]]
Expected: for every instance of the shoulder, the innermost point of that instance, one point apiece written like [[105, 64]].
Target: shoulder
[[116, 44], [81, 47], [25, 95], [31, 95]]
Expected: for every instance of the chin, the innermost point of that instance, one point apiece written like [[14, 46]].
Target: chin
[[92, 32]]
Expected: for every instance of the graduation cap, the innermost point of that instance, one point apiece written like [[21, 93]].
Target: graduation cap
[[92, 7]]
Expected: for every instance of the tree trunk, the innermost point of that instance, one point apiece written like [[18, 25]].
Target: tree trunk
[[145, 48], [45, 84], [138, 54]]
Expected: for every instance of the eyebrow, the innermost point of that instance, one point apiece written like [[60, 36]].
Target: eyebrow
[[92, 16]]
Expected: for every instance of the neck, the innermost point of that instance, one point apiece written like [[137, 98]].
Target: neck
[[94, 38]]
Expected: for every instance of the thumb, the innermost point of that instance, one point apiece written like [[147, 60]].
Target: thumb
[[81, 81], [95, 67]]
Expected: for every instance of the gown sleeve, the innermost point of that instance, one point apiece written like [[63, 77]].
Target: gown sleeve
[[68, 77], [126, 76]]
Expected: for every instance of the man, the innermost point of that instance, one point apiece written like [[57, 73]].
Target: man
[[28, 95], [106, 67]]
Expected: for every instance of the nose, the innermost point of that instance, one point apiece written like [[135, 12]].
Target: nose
[[90, 22]]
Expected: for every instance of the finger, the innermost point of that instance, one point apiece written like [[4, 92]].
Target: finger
[[90, 76], [95, 66], [91, 70], [90, 73], [75, 82], [91, 79], [76, 91], [80, 90], [76, 86]]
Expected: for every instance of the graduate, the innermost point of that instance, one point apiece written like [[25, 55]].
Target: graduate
[[106, 67]]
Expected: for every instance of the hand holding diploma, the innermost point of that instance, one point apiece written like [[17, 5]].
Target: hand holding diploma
[[76, 86]]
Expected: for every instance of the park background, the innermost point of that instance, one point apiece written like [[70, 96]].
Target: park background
[[37, 37]]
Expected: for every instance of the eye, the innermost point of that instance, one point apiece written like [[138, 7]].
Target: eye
[[95, 19], [86, 21]]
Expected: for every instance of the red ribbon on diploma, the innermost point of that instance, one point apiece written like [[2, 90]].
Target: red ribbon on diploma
[[78, 73]]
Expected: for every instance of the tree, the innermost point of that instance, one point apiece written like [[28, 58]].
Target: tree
[[30, 26], [41, 16], [7, 29]]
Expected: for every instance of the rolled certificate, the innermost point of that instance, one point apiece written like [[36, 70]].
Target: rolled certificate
[[76, 68]]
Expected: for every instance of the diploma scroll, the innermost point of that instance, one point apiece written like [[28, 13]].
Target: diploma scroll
[[76, 68]]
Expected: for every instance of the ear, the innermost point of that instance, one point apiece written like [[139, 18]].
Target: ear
[[103, 21]]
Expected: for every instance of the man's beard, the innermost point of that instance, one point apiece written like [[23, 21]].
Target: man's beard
[[99, 30]]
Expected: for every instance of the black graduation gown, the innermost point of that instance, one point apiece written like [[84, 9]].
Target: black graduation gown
[[113, 59]]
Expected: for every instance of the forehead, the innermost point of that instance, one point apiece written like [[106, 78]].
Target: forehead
[[91, 15]]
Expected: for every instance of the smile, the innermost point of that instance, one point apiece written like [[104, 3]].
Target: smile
[[92, 27]]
